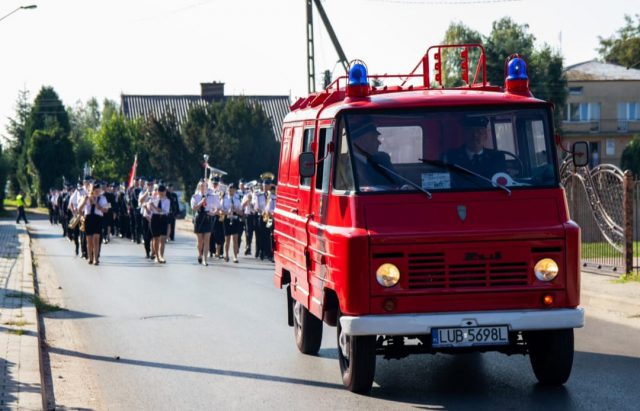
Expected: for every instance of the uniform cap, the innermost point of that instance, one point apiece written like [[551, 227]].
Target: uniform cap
[[475, 121]]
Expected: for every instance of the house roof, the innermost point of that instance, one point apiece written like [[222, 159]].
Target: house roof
[[594, 70], [136, 106]]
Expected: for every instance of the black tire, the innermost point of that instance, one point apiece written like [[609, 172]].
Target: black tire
[[551, 355], [357, 358], [307, 329]]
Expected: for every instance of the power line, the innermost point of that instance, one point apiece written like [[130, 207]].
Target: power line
[[442, 2]]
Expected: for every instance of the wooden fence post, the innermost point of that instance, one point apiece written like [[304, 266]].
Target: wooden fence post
[[628, 221]]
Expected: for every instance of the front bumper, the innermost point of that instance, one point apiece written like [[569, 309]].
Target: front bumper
[[420, 324]]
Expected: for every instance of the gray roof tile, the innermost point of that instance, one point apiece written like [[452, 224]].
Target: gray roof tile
[[594, 70], [136, 106]]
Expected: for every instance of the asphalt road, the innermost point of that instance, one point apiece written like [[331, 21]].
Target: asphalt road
[[192, 338]]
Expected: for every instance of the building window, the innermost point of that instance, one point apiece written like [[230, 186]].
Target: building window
[[583, 112], [629, 111], [575, 91]]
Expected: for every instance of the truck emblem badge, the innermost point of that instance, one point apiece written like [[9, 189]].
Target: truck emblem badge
[[462, 212]]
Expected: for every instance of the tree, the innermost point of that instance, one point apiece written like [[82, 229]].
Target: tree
[[51, 157], [4, 171], [630, 159], [506, 38], [246, 138], [544, 65], [458, 33], [162, 145], [623, 48], [49, 150], [48, 112], [115, 147], [15, 154]]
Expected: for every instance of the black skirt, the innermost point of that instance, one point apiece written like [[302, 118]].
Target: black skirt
[[232, 225], [92, 224], [159, 224], [202, 224]]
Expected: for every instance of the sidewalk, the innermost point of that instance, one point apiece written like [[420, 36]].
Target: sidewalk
[[20, 386], [603, 293]]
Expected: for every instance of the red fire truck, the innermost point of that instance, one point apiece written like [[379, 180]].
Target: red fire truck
[[419, 218]]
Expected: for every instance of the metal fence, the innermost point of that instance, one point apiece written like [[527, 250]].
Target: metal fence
[[597, 253], [636, 226]]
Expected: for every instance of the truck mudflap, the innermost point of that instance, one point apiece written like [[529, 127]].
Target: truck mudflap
[[421, 324]]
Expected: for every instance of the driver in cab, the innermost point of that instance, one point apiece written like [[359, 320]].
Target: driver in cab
[[473, 154], [372, 165]]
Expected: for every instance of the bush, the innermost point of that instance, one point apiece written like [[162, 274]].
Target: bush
[[630, 159]]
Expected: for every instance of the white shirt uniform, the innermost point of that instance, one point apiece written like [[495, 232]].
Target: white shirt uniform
[[101, 202], [231, 205], [76, 198], [164, 206], [247, 203], [211, 204], [259, 201]]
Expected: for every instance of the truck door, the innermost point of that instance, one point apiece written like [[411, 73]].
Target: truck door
[[300, 289], [317, 224]]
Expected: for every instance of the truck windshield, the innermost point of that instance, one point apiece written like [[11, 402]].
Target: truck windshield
[[446, 150]]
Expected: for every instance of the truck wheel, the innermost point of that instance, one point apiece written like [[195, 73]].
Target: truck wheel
[[307, 329], [551, 355], [357, 358]]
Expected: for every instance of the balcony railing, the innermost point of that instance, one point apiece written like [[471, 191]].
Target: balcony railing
[[601, 126]]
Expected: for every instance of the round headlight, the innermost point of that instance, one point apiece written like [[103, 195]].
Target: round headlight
[[387, 275], [546, 269]]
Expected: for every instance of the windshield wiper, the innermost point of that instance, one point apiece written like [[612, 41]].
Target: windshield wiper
[[455, 166], [387, 171]]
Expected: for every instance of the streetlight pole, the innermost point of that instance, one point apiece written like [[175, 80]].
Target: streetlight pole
[[32, 6]]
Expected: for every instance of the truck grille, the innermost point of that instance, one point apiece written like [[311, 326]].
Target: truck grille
[[431, 271]]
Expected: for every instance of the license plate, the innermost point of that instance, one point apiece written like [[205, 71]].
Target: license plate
[[469, 336]]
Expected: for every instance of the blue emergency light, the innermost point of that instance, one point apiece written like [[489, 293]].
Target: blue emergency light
[[517, 69], [358, 74]]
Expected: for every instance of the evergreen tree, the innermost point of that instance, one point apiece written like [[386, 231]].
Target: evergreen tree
[[623, 48]]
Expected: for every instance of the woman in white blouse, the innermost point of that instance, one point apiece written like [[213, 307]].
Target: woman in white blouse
[[93, 206], [203, 205], [159, 207], [232, 209]]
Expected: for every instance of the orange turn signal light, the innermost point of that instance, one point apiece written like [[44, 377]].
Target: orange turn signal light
[[547, 300], [389, 305]]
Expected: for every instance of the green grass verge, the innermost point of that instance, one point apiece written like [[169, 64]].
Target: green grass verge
[[41, 304], [602, 250], [627, 278]]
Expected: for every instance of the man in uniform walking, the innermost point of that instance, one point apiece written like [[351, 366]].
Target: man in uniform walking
[[20, 203]]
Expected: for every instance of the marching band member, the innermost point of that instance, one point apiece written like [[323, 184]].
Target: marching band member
[[74, 211], [203, 203], [250, 217], [93, 207], [270, 209], [232, 210], [159, 207], [259, 204], [145, 197], [217, 230]]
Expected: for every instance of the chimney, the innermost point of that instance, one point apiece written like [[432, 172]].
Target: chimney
[[212, 91]]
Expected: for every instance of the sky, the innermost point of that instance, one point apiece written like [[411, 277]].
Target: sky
[[104, 48]]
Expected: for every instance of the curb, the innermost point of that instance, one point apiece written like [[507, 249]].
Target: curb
[[28, 266]]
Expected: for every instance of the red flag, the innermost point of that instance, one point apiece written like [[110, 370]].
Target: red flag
[[132, 174]]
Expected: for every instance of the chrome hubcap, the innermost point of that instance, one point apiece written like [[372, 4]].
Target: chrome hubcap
[[344, 341]]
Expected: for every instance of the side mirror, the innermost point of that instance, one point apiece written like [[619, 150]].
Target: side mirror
[[580, 151], [307, 164]]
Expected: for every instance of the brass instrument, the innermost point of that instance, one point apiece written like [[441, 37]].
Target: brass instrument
[[267, 218], [267, 175]]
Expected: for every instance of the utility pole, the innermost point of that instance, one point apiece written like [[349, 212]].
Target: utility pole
[[342, 58], [311, 65]]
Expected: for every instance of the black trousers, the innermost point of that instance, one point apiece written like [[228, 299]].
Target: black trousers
[[22, 215], [146, 235], [74, 235], [83, 244], [125, 225], [172, 224], [251, 220], [136, 226], [264, 238]]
